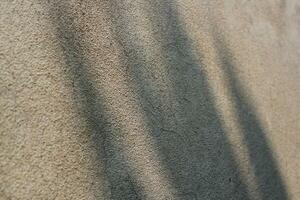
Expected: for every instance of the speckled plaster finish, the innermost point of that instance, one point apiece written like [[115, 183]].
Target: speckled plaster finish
[[138, 99]]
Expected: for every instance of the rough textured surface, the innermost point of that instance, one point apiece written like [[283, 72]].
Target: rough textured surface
[[150, 99]]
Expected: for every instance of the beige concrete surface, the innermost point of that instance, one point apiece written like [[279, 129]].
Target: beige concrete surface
[[150, 99]]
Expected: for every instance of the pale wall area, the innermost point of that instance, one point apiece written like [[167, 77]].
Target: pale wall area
[[150, 99]]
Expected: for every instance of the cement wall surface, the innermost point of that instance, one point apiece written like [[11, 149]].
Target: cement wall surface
[[150, 99]]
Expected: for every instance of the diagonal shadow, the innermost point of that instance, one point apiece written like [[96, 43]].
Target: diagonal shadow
[[90, 106], [187, 128], [268, 177], [200, 155]]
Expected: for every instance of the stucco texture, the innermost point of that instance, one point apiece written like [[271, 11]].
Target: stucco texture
[[150, 99]]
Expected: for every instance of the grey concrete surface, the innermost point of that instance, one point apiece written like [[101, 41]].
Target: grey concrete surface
[[149, 99]]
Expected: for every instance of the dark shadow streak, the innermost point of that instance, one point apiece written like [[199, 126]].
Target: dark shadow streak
[[207, 166], [194, 148], [90, 106], [268, 177]]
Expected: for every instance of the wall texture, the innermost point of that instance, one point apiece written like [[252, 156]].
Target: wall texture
[[150, 99]]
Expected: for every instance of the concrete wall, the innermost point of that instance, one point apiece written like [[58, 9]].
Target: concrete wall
[[150, 99]]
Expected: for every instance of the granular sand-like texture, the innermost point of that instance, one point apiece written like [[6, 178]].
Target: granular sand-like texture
[[150, 99]]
